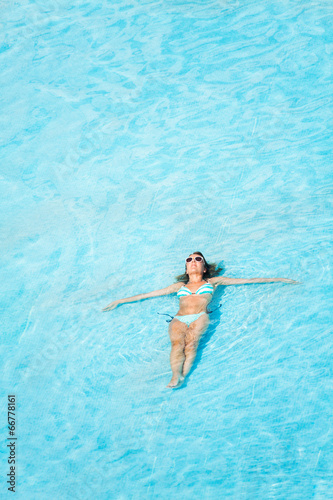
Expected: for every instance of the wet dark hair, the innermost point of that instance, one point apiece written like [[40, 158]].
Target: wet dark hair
[[211, 270]]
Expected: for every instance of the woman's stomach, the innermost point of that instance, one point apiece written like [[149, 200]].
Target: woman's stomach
[[193, 304]]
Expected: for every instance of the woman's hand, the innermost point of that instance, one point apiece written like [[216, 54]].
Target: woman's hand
[[111, 306]]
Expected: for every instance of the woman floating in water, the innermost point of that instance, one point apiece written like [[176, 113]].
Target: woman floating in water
[[195, 289]]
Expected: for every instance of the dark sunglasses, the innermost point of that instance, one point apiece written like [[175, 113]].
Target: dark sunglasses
[[197, 258]]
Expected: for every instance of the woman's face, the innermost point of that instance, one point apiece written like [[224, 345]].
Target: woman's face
[[194, 266]]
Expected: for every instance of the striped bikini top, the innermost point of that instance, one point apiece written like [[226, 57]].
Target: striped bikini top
[[205, 288]]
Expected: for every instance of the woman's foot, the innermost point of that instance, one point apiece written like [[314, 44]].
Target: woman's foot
[[176, 381]]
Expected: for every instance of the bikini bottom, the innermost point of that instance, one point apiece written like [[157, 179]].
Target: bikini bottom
[[189, 318]]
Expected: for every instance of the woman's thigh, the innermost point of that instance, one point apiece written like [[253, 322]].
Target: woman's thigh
[[177, 331], [197, 329]]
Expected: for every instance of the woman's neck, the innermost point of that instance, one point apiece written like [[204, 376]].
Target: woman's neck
[[195, 278]]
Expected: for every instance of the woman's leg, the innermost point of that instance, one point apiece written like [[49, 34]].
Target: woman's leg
[[192, 337], [177, 331]]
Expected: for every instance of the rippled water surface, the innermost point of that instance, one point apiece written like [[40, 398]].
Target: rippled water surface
[[133, 133]]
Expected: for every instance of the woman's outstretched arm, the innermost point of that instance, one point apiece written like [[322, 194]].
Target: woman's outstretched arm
[[223, 280], [156, 293]]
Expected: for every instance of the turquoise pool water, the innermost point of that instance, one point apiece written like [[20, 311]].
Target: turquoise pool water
[[134, 133]]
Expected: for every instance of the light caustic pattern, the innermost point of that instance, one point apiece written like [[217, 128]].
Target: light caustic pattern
[[133, 133]]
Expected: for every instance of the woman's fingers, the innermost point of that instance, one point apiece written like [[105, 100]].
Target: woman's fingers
[[286, 280], [110, 306]]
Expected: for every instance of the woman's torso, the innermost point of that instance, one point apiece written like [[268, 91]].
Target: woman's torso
[[194, 299]]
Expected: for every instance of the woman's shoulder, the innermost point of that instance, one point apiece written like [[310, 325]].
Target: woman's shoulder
[[215, 280], [219, 280], [176, 286]]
